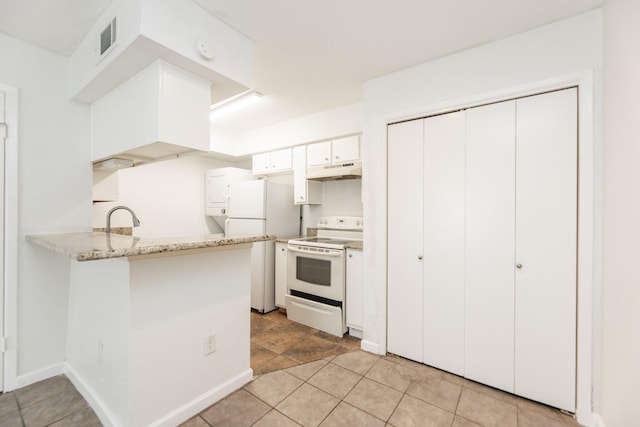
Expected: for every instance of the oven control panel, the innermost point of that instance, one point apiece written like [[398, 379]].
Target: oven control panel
[[341, 222]]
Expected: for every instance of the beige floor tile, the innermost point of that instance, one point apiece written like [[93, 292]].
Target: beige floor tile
[[415, 412], [195, 422], [277, 363], [54, 408], [239, 409], [273, 387], [392, 374], [436, 392], [345, 415], [308, 405], [458, 421], [312, 348], [335, 380], [375, 398], [307, 370], [260, 355], [527, 405], [8, 403], [421, 369], [41, 390], [490, 391], [10, 419], [486, 410], [357, 361], [275, 419], [83, 418]]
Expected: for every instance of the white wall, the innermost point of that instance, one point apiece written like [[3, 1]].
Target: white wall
[[621, 283], [553, 51], [54, 193], [167, 196], [346, 120]]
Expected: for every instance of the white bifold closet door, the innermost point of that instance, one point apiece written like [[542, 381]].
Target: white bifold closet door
[[520, 257], [404, 239], [490, 244], [444, 200], [546, 248]]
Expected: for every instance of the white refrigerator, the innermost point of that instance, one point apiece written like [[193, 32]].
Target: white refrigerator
[[261, 207]]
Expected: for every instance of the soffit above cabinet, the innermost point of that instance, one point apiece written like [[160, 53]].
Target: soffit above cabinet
[[179, 32]]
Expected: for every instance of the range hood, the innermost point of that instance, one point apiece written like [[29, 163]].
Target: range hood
[[346, 170]]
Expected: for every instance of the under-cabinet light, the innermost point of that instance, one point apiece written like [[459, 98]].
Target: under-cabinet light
[[234, 103]]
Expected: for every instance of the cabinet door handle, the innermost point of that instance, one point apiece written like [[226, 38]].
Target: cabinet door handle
[[350, 255], [419, 256], [518, 265]]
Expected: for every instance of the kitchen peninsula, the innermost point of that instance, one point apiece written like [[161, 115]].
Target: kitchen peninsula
[[158, 329]]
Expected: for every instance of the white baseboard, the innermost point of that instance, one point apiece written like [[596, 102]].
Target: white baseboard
[[372, 347], [203, 401], [39, 375], [102, 411]]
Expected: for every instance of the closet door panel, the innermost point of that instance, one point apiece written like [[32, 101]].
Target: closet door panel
[[489, 246], [444, 199], [546, 227], [405, 230]]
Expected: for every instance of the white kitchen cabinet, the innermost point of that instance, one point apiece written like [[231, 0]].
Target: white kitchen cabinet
[[319, 153], [345, 149], [339, 150], [281, 273], [305, 192], [355, 290], [518, 264], [272, 163]]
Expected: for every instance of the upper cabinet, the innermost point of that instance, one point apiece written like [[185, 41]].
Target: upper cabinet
[[160, 112], [305, 192], [272, 163], [335, 151]]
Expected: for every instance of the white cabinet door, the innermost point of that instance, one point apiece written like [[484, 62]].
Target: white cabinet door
[[444, 206], [490, 235], [405, 222], [281, 160], [345, 149], [355, 289], [281, 274], [546, 224], [319, 153], [305, 192], [261, 163]]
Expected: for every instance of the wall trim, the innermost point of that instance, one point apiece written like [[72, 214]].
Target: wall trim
[[10, 368], [589, 217], [174, 417], [39, 375], [372, 347]]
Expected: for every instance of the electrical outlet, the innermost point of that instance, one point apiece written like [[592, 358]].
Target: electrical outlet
[[210, 344]]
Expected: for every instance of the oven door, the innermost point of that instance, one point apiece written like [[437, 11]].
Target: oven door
[[317, 273]]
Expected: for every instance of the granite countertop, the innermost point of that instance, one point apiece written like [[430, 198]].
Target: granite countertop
[[354, 245], [91, 246]]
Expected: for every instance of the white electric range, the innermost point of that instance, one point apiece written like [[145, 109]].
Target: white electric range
[[316, 274]]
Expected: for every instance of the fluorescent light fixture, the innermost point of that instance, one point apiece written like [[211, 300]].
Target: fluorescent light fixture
[[234, 103]]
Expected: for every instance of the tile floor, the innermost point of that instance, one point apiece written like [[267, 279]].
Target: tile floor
[[309, 378]]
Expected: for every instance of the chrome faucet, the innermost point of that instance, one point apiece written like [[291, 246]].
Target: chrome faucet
[[136, 221]]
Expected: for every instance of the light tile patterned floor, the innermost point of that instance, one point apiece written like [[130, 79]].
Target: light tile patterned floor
[[362, 389], [324, 382]]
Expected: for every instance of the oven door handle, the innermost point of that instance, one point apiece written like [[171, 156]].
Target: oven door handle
[[331, 253]]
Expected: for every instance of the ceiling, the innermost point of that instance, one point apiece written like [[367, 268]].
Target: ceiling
[[312, 56]]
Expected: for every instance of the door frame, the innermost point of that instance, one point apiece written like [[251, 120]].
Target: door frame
[[10, 368], [589, 218]]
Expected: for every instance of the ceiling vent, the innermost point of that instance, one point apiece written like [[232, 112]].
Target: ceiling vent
[[107, 39]]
